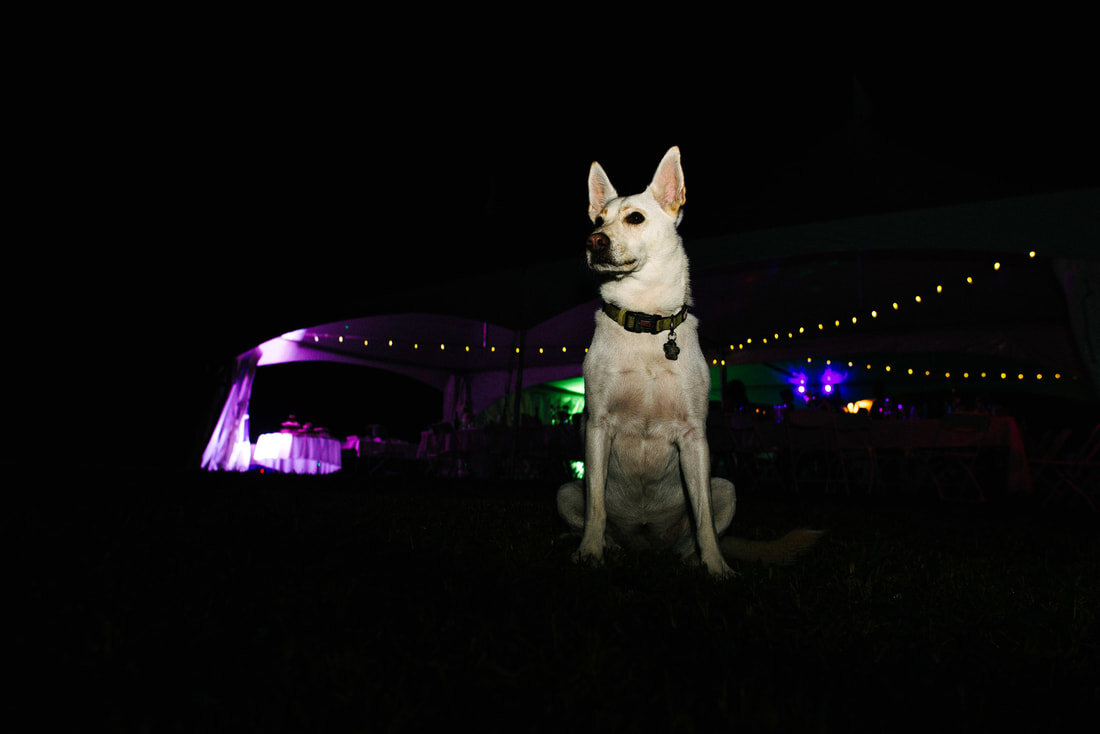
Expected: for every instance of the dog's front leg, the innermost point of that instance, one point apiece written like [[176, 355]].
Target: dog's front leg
[[695, 465], [597, 453]]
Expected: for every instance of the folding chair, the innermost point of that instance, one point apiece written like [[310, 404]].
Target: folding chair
[[1076, 470], [813, 451], [953, 461], [857, 453]]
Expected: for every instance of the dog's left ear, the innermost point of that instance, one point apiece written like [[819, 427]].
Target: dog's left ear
[[667, 186]]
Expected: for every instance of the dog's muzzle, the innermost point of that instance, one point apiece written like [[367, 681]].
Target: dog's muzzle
[[600, 256], [599, 246]]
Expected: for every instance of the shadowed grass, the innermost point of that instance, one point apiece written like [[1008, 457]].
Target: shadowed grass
[[248, 603]]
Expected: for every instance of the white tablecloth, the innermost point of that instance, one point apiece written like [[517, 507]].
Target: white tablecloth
[[294, 454]]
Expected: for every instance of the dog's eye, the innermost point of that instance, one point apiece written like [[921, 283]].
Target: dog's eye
[[598, 222], [635, 218]]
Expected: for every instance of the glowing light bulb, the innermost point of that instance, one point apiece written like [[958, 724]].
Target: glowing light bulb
[[828, 389], [996, 266]]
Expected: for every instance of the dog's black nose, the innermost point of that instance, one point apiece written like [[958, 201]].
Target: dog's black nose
[[598, 242]]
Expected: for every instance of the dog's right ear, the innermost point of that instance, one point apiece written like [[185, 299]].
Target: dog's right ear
[[600, 191]]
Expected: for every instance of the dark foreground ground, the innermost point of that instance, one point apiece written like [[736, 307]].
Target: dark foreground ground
[[263, 603]]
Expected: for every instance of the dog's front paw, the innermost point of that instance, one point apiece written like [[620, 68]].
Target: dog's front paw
[[588, 555], [721, 571]]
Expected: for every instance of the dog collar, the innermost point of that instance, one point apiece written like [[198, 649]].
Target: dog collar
[[644, 323], [648, 323]]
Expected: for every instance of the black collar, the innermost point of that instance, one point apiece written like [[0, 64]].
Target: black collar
[[644, 323]]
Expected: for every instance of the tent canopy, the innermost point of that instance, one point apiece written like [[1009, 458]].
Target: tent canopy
[[1008, 286]]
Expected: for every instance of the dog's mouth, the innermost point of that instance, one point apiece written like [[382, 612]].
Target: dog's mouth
[[602, 266]]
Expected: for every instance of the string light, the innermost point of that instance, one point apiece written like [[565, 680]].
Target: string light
[[775, 336], [895, 305]]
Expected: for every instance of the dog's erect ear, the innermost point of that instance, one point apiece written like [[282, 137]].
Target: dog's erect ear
[[668, 183], [600, 191]]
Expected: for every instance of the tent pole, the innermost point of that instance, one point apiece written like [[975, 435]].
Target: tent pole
[[516, 405]]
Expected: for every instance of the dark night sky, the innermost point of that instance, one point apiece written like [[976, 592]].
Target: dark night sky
[[283, 189]]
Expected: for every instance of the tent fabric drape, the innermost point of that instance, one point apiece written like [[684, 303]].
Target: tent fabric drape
[[229, 448]]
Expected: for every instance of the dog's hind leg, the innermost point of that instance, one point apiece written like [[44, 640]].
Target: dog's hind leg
[[723, 502], [571, 504]]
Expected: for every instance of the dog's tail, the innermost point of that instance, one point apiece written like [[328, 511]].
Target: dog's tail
[[781, 552]]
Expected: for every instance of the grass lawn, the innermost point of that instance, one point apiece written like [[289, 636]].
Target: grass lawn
[[212, 603]]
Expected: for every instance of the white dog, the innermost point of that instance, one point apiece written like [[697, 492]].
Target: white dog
[[647, 388]]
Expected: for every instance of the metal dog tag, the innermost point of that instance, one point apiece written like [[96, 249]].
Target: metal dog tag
[[671, 350]]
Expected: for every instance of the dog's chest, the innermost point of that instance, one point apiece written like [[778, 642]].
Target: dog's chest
[[646, 396]]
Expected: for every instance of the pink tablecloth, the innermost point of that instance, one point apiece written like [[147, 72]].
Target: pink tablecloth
[[889, 434], [293, 454]]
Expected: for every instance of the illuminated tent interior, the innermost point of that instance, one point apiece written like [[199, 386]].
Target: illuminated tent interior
[[981, 298]]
